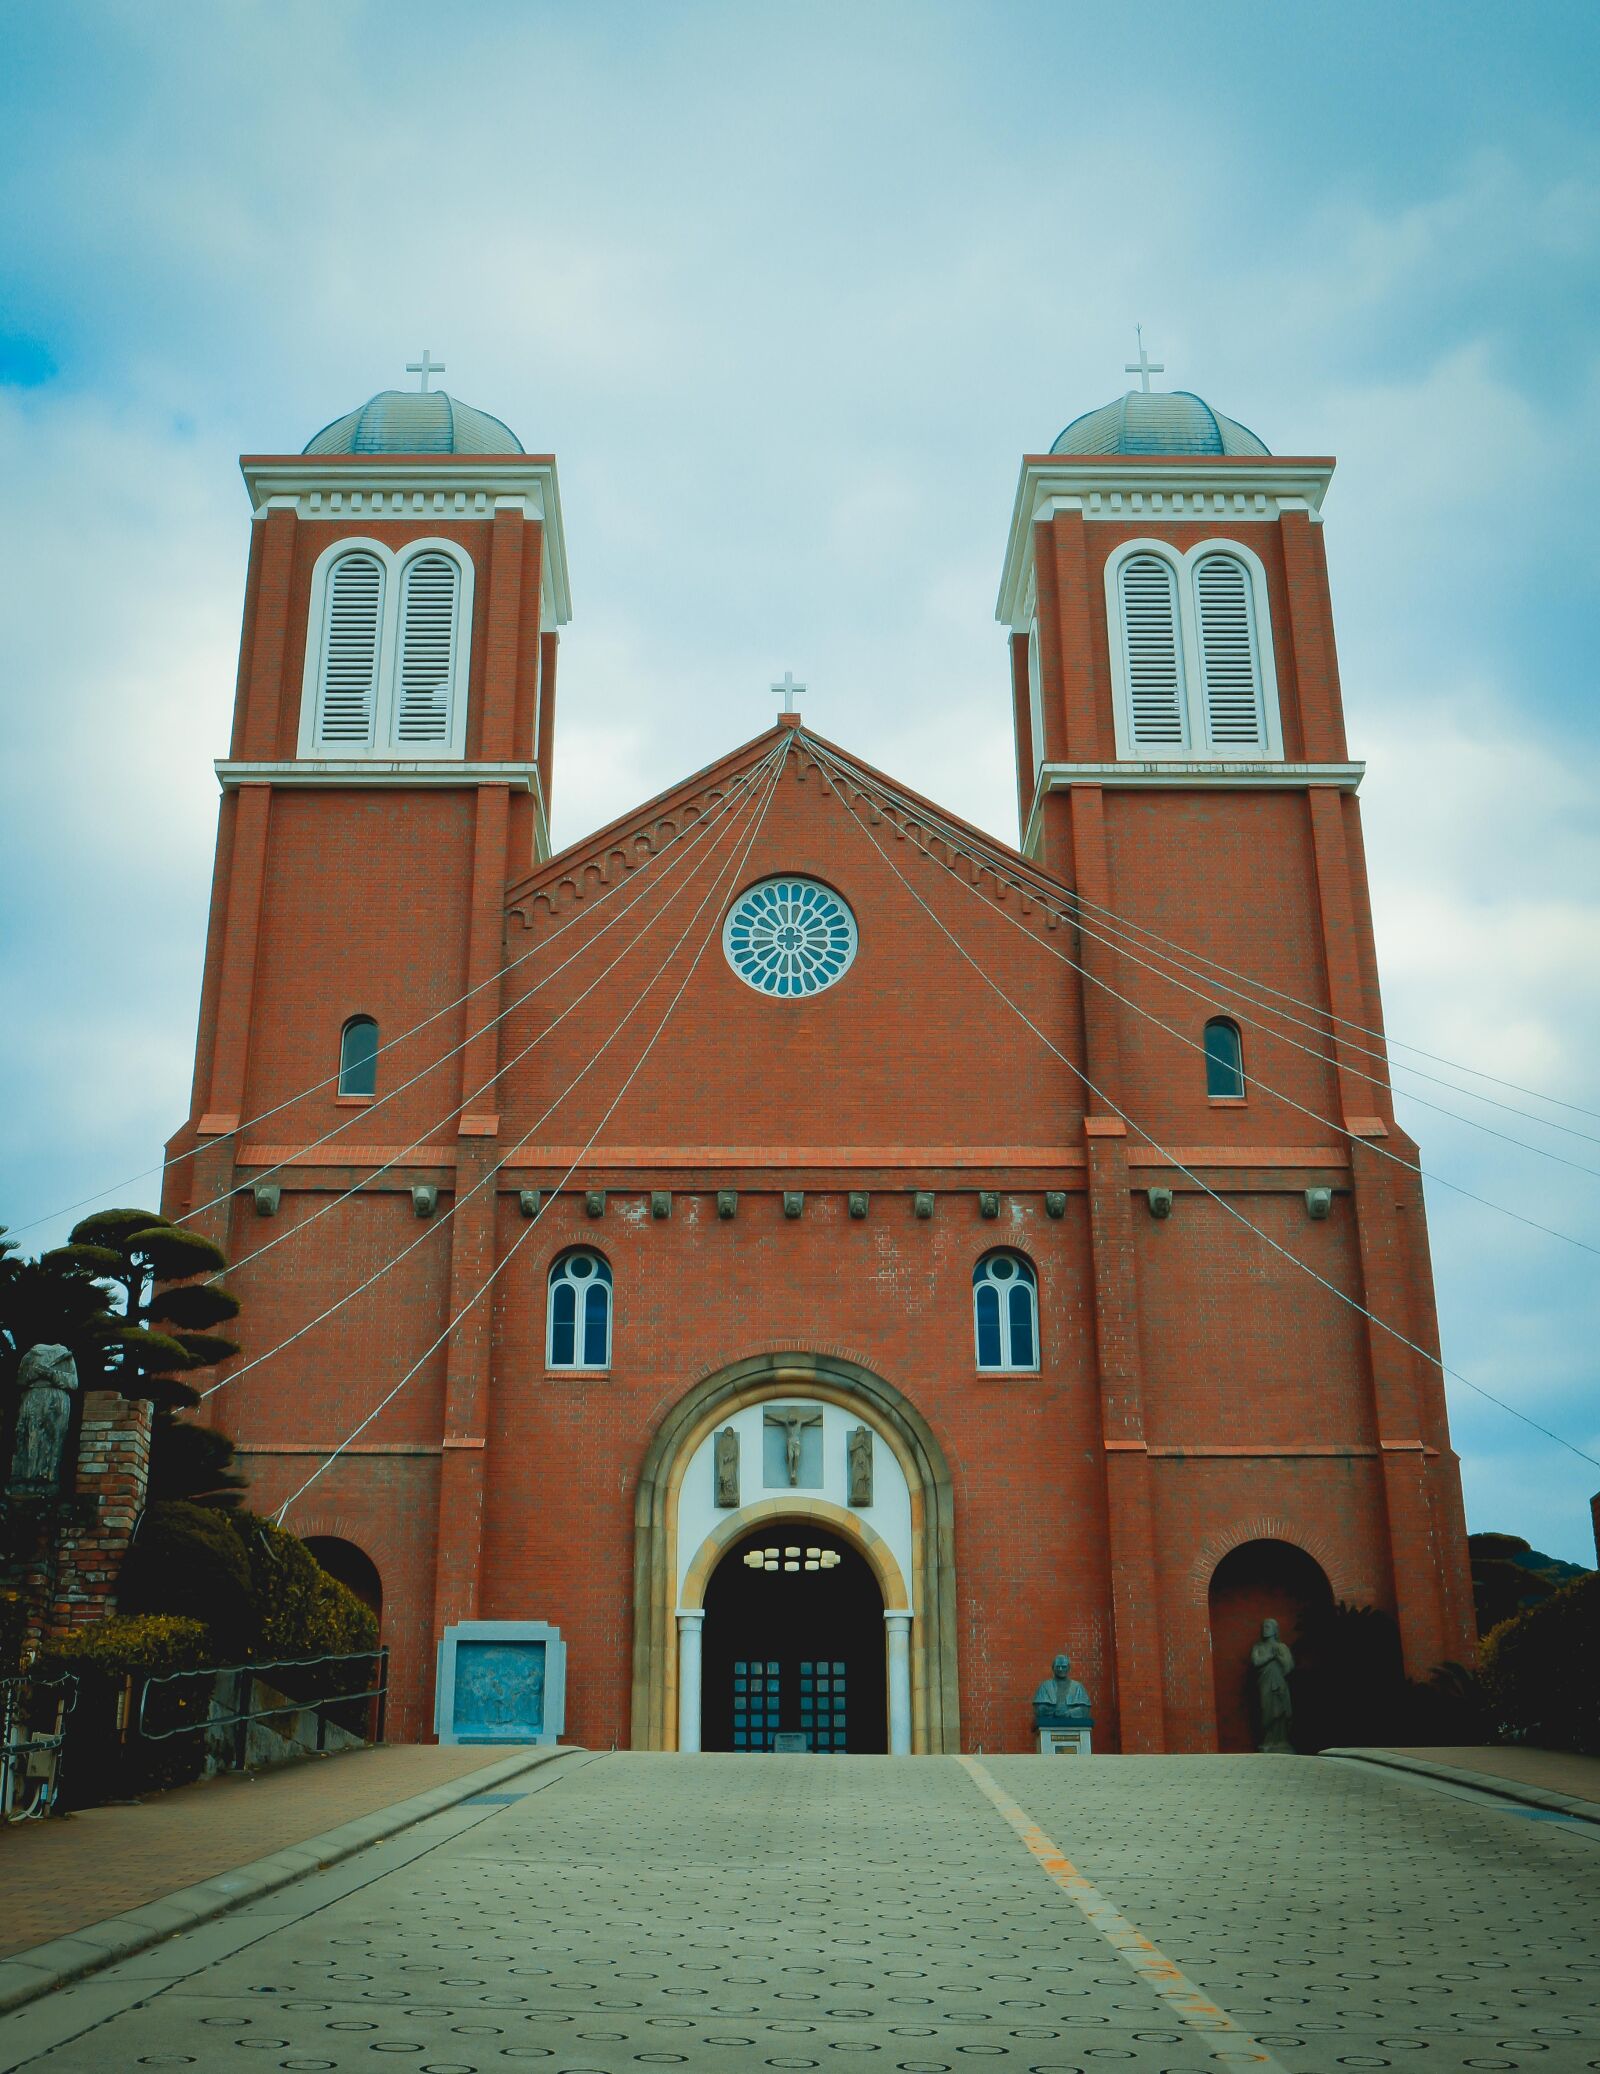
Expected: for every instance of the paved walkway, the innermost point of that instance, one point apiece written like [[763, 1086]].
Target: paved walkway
[[627, 1912], [1556, 1771], [56, 1876]]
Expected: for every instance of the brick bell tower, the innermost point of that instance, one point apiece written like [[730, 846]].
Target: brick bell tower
[[389, 772], [1182, 764]]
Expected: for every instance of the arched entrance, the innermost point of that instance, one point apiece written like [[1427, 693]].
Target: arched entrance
[[793, 1644], [351, 1565], [794, 1447], [1257, 1581]]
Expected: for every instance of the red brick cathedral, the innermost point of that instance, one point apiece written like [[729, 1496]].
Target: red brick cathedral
[[815, 1259]]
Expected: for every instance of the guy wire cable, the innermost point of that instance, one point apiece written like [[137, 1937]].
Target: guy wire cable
[[1178, 1166], [1266, 1087], [616, 1100], [316, 1086], [399, 1157], [505, 1160], [1002, 869]]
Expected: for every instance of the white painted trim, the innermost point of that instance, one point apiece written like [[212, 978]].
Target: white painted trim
[[394, 564], [559, 1277], [1182, 491], [377, 770], [1197, 719], [445, 487], [1189, 775], [1005, 1365], [1035, 695]]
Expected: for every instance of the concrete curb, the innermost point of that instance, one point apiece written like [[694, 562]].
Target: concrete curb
[[1480, 1782], [39, 1971]]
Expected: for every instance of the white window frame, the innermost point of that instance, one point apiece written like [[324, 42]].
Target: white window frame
[[556, 1272], [384, 743], [1197, 747], [1036, 694], [1003, 1290]]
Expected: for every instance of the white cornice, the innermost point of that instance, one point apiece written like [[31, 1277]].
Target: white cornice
[[364, 771], [1190, 775], [441, 487], [1189, 492]]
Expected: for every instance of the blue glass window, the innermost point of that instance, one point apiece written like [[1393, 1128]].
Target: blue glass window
[[1224, 1059], [789, 937], [580, 1285], [1005, 1307], [358, 1057]]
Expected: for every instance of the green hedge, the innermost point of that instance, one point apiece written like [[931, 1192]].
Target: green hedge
[[1542, 1670], [97, 1763]]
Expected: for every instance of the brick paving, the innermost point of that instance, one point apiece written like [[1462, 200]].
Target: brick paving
[[1556, 1771], [1170, 1915], [60, 1875]]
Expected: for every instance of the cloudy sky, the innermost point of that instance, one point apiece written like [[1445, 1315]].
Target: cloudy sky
[[788, 291]]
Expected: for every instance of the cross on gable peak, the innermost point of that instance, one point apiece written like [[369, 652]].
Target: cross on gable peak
[[788, 690]]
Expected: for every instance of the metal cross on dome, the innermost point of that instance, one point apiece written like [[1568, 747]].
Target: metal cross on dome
[[427, 365], [1144, 367], [788, 691]]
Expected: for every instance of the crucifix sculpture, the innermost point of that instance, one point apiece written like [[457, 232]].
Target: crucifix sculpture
[[793, 1423], [427, 365], [1144, 367]]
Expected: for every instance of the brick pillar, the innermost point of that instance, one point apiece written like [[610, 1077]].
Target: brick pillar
[[113, 1475]]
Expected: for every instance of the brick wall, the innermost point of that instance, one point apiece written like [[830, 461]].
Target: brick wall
[[113, 1473]]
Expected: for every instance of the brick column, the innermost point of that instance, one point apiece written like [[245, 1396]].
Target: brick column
[[467, 1372], [113, 1476]]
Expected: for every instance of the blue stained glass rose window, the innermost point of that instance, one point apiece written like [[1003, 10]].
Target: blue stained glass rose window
[[789, 937]]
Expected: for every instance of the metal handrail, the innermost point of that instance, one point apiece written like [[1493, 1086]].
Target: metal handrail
[[247, 1674]]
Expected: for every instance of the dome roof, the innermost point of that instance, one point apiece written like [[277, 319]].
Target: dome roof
[[410, 421], [1152, 422]]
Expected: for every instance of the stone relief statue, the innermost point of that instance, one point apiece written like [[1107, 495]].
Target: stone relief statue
[[860, 1454], [1272, 1662], [1061, 1701], [727, 1468], [46, 1381], [794, 1424]]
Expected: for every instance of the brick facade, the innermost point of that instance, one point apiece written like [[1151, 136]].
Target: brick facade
[[1196, 1390], [112, 1476]]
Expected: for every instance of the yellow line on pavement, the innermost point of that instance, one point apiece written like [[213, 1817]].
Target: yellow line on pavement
[[1153, 1967]]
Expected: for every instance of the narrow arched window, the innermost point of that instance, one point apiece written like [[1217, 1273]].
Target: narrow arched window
[[1005, 1309], [1230, 661], [579, 1333], [1224, 1059], [1152, 647], [352, 627], [358, 1057], [425, 672]]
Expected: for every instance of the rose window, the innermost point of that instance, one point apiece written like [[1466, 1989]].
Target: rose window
[[789, 936]]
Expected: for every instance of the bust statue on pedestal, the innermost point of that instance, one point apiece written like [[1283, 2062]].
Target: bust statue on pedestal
[[1061, 1702]]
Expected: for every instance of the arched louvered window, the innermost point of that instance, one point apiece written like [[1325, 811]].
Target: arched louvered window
[[1152, 648], [352, 635], [1005, 1312], [358, 1057], [1224, 1059], [1230, 665], [426, 662], [579, 1331]]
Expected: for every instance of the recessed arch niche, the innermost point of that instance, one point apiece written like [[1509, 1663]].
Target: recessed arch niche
[[921, 1580]]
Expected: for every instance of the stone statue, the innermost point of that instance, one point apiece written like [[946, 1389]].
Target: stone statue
[[46, 1382], [1271, 1661], [1061, 1702], [860, 1453], [793, 1424], [727, 1468]]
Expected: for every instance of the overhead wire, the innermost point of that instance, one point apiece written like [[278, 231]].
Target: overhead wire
[[511, 1252], [331, 1079], [1188, 1173], [733, 798], [1049, 898], [437, 1224]]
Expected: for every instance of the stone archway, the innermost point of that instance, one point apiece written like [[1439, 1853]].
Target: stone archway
[[924, 1588], [1258, 1579]]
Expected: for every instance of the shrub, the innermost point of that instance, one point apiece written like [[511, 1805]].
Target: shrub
[[97, 1763], [187, 1560], [1542, 1669]]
